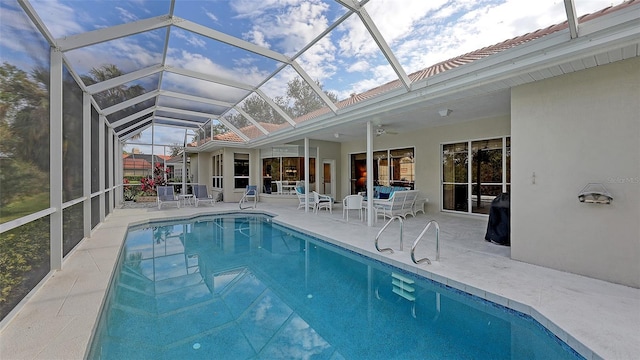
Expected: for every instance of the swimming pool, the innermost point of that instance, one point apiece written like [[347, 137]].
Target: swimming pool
[[243, 287]]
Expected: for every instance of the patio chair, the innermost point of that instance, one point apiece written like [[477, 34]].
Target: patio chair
[[322, 202], [202, 195], [165, 194], [302, 198], [250, 194], [352, 202]]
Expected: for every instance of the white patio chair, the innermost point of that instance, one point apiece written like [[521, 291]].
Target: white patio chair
[[165, 194], [352, 202], [278, 186], [301, 199], [322, 202]]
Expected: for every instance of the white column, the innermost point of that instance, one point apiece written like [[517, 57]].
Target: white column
[[55, 159], [110, 149], [306, 174], [86, 163], [101, 165], [119, 172], [370, 213]]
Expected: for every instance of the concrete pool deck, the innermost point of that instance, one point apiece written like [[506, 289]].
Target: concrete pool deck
[[598, 319]]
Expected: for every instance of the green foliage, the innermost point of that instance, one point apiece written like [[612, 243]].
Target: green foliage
[[300, 100], [24, 254], [20, 178]]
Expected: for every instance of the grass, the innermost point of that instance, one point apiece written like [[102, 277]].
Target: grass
[[25, 206]]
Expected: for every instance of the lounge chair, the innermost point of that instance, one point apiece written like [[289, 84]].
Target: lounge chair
[[202, 195], [165, 194], [352, 202], [322, 202]]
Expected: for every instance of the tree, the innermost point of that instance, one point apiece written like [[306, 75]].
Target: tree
[[117, 94], [300, 100], [24, 133], [303, 99], [175, 149]]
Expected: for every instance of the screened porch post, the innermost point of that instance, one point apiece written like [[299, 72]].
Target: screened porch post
[[101, 165], [369, 174], [110, 148], [55, 159], [86, 163], [306, 174]]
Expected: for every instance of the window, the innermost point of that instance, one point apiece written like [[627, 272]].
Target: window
[[289, 169], [240, 170], [216, 181], [393, 167], [474, 173]]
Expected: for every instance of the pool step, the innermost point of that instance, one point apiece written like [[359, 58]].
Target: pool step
[[403, 286]]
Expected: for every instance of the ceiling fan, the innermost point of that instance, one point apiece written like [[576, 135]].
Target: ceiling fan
[[380, 130]]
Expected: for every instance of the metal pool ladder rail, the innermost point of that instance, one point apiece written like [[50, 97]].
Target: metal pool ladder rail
[[415, 243], [396, 217]]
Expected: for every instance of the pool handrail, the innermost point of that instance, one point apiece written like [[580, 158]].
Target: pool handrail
[[393, 218], [415, 243]]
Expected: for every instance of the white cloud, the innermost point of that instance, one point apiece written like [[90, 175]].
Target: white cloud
[[125, 15], [63, 18], [359, 66], [192, 39], [210, 15], [288, 29]]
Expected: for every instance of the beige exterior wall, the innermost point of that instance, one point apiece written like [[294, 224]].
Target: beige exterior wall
[[327, 150], [427, 144], [572, 130]]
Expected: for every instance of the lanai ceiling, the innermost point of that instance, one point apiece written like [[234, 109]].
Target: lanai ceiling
[[190, 64]]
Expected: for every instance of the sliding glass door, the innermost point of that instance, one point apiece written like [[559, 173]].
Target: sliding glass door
[[474, 172]]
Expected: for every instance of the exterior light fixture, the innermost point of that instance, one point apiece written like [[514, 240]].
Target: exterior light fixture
[[595, 193], [444, 112]]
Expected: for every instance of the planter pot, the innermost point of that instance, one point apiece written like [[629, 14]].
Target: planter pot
[[146, 199]]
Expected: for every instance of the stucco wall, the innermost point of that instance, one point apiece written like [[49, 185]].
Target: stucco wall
[[327, 150], [572, 130], [427, 151]]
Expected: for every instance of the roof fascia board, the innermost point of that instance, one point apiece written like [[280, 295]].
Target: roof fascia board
[[228, 39], [111, 33], [314, 86], [208, 77], [123, 79], [132, 117], [195, 98], [275, 107], [125, 104]]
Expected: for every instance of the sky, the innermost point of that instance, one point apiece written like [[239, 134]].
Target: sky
[[346, 60]]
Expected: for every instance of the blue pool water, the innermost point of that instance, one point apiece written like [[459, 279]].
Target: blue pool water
[[242, 287]]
